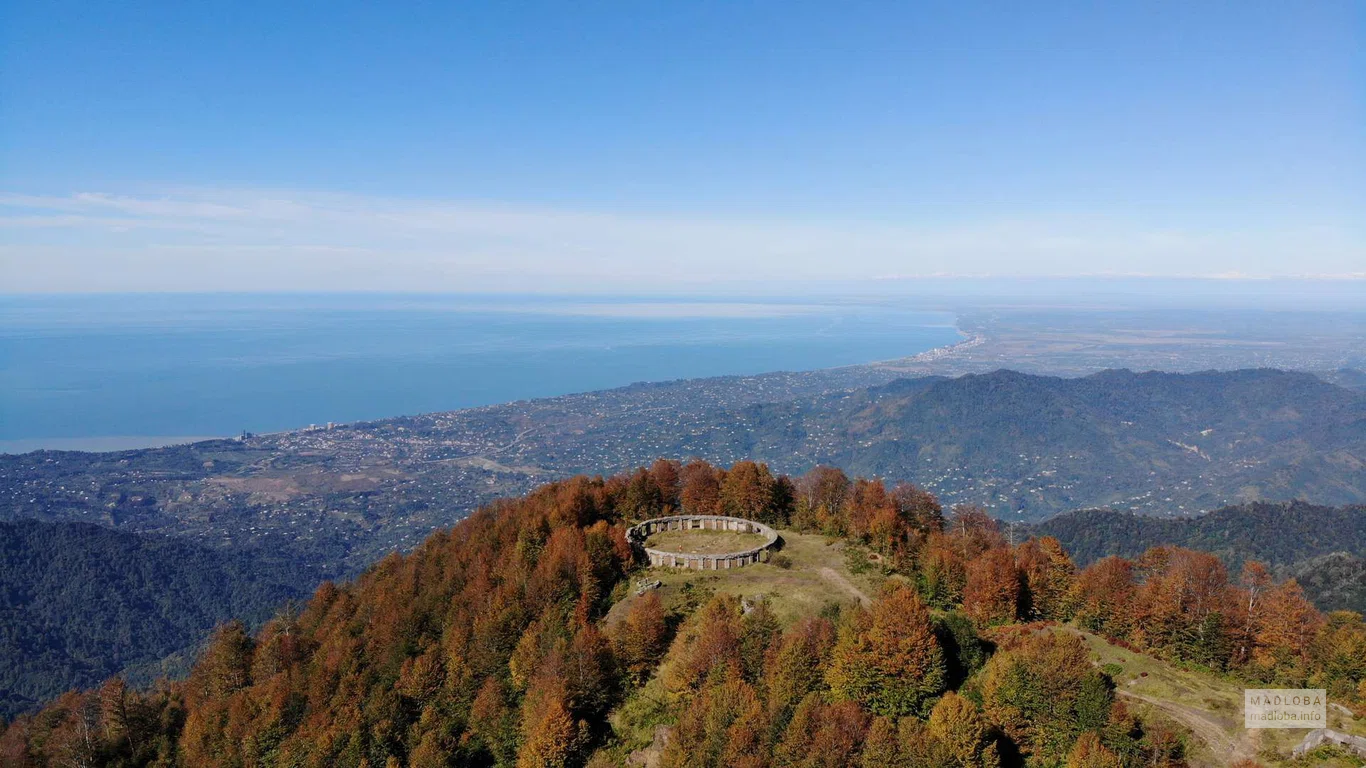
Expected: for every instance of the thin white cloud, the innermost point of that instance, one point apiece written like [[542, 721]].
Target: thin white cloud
[[229, 239]]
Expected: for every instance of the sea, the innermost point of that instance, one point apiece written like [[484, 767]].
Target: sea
[[108, 372]]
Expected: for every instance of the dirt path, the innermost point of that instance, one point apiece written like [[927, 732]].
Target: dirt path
[[1220, 742], [834, 577]]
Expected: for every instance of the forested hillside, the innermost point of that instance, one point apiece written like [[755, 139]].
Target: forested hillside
[[1278, 534], [1037, 445], [1321, 547], [79, 603], [1334, 582], [514, 640]]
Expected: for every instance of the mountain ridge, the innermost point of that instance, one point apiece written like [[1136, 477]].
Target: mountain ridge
[[1025, 446]]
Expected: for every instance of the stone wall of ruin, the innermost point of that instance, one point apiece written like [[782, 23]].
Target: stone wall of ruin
[[658, 557]]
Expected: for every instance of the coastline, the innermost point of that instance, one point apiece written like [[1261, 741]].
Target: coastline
[[115, 443], [103, 444], [974, 339]]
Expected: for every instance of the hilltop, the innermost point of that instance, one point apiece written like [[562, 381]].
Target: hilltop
[[525, 636]]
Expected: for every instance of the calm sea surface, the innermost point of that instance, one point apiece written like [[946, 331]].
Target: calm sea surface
[[110, 371]]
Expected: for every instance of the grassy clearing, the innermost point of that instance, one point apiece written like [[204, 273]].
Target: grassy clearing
[[807, 574], [705, 542], [1209, 705]]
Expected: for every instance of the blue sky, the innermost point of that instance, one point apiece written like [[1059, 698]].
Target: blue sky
[[543, 146]]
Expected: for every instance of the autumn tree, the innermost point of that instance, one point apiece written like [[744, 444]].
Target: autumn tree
[[992, 590], [941, 573], [888, 659], [642, 497], [1338, 656], [1044, 693], [549, 634], [1244, 613], [115, 714], [750, 491], [700, 488], [641, 637], [493, 723], [881, 749], [551, 738], [822, 735], [1180, 608], [279, 646], [1047, 573], [793, 668], [223, 669], [820, 499], [1089, 752], [871, 515], [665, 473], [917, 748], [708, 646], [963, 736], [225, 665], [1285, 628], [919, 508], [590, 674], [724, 727], [973, 530], [1103, 595], [758, 628]]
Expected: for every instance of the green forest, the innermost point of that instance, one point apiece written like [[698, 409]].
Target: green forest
[[81, 602]]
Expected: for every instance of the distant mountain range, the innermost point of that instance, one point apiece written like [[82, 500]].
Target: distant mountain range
[[1031, 446], [1025, 446]]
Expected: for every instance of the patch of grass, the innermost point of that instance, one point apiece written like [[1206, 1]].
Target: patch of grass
[[1216, 697], [705, 542], [794, 592], [635, 720], [692, 595], [1329, 756], [856, 560]]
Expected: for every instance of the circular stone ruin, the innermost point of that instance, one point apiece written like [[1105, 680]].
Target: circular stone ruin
[[702, 561]]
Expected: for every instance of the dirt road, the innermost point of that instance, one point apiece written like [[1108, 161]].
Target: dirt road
[[1222, 743], [834, 577]]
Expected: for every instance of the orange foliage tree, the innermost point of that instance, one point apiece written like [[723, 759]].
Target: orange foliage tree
[[888, 659]]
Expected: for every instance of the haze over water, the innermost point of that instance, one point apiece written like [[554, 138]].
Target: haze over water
[[76, 371]]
